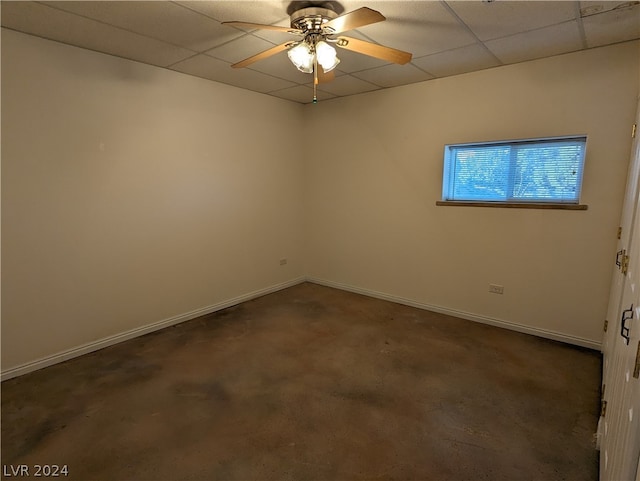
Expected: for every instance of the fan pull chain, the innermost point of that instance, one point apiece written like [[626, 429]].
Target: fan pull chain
[[315, 80]]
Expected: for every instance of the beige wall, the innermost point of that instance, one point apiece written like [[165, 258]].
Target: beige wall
[[372, 222], [131, 194]]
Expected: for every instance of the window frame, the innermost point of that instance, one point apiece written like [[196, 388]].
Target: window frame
[[448, 176]]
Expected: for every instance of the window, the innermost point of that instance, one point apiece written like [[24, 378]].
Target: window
[[547, 171]]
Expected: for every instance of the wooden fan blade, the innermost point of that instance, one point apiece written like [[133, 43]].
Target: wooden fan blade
[[374, 50], [358, 18], [325, 77], [263, 27], [263, 55]]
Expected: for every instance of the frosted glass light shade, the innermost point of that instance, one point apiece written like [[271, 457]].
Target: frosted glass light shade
[[326, 56], [302, 57]]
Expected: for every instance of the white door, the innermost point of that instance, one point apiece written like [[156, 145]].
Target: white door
[[620, 426], [624, 237], [620, 449]]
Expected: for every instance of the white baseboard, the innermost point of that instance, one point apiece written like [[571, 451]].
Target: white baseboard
[[556, 336], [140, 331]]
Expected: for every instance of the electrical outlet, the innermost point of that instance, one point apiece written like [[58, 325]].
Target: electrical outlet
[[496, 289], [283, 262]]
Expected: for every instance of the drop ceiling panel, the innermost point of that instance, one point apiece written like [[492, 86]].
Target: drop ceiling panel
[[243, 47], [272, 36], [54, 24], [168, 21], [277, 18], [589, 8], [457, 61], [490, 20], [246, 10], [418, 27], [393, 75], [543, 42], [218, 70], [347, 85], [612, 26]]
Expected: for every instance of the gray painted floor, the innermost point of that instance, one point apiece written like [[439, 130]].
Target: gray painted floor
[[313, 383]]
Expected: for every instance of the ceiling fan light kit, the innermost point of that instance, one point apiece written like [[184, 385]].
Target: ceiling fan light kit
[[304, 55], [319, 27]]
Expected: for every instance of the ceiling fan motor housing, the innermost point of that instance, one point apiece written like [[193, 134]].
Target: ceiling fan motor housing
[[311, 19]]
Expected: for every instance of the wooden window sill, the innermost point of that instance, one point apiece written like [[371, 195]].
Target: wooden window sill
[[513, 205]]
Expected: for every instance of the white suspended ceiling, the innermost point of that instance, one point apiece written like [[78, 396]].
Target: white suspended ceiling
[[445, 37]]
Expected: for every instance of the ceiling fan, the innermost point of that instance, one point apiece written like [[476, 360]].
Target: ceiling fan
[[318, 27]]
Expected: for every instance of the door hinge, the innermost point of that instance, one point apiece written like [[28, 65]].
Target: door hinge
[[622, 260], [636, 369], [633, 131], [606, 325], [625, 264], [620, 232], [627, 315], [603, 409]]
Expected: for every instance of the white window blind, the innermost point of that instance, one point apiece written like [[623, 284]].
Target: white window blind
[[536, 170]]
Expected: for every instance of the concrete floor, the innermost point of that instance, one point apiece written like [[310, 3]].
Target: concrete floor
[[313, 383]]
